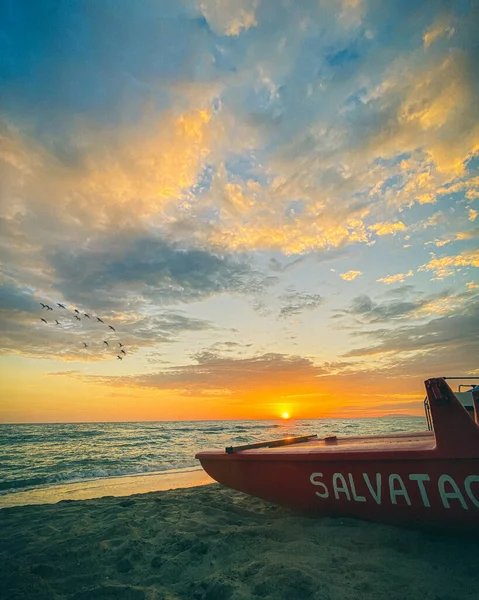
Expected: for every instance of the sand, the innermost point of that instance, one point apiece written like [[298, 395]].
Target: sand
[[211, 543]]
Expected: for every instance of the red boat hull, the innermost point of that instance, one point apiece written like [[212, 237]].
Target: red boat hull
[[402, 491], [416, 479]]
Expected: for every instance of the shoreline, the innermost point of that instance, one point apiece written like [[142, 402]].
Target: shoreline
[[123, 485]]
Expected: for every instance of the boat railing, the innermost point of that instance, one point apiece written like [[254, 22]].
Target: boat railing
[[427, 410]]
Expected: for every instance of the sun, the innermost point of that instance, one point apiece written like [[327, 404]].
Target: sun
[[285, 415]]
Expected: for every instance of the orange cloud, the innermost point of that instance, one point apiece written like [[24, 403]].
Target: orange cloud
[[428, 104], [441, 27], [468, 235], [149, 169], [256, 217], [124, 177], [445, 266], [350, 275], [435, 118], [291, 238], [387, 228], [398, 278], [440, 306]]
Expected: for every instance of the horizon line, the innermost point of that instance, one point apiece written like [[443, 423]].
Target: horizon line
[[395, 415]]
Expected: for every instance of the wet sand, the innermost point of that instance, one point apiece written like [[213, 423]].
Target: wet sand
[[125, 485], [211, 543]]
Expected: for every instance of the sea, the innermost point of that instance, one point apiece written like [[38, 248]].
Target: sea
[[39, 456]]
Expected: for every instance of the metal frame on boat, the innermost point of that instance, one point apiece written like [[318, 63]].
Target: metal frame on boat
[[465, 398], [418, 478]]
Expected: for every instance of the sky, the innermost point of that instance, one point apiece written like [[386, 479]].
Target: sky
[[273, 203]]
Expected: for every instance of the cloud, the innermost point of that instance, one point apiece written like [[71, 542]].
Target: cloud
[[443, 242], [229, 17], [220, 349], [449, 341], [326, 150], [277, 267], [414, 333], [401, 291], [297, 302], [373, 312], [153, 268], [468, 235], [434, 220], [262, 383], [13, 298], [406, 302], [472, 214], [445, 266], [23, 332], [93, 230], [350, 275], [441, 304], [230, 374], [469, 185], [441, 27], [128, 281], [398, 278], [387, 228], [460, 236], [125, 182]]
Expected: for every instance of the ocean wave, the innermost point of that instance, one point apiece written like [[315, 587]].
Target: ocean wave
[[41, 438], [22, 484]]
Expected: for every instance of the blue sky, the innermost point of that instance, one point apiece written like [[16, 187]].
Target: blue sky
[[252, 193]]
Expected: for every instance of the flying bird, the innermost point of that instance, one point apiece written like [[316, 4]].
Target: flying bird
[[86, 345], [61, 305], [112, 328], [123, 352], [56, 321], [98, 319], [49, 307], [120, 344], [106, 343], [43, 305], [85, 315], [44, 320], [77, 318], [77, 311], [119, 357]]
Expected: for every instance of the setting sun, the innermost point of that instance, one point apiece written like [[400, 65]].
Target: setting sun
[[285, 415]]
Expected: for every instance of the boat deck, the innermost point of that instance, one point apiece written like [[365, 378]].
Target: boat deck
[[423, 440], [409, 441]]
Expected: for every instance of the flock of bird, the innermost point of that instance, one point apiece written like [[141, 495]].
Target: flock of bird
[[78, 316]]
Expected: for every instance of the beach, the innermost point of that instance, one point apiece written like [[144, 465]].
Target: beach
[[212, 543]]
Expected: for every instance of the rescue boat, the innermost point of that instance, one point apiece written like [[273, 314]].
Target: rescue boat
[[420, 478]]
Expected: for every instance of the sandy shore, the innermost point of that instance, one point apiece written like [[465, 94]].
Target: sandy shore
[[211, 543]]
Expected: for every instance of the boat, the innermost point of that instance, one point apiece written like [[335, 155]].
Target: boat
[[416, 478]]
